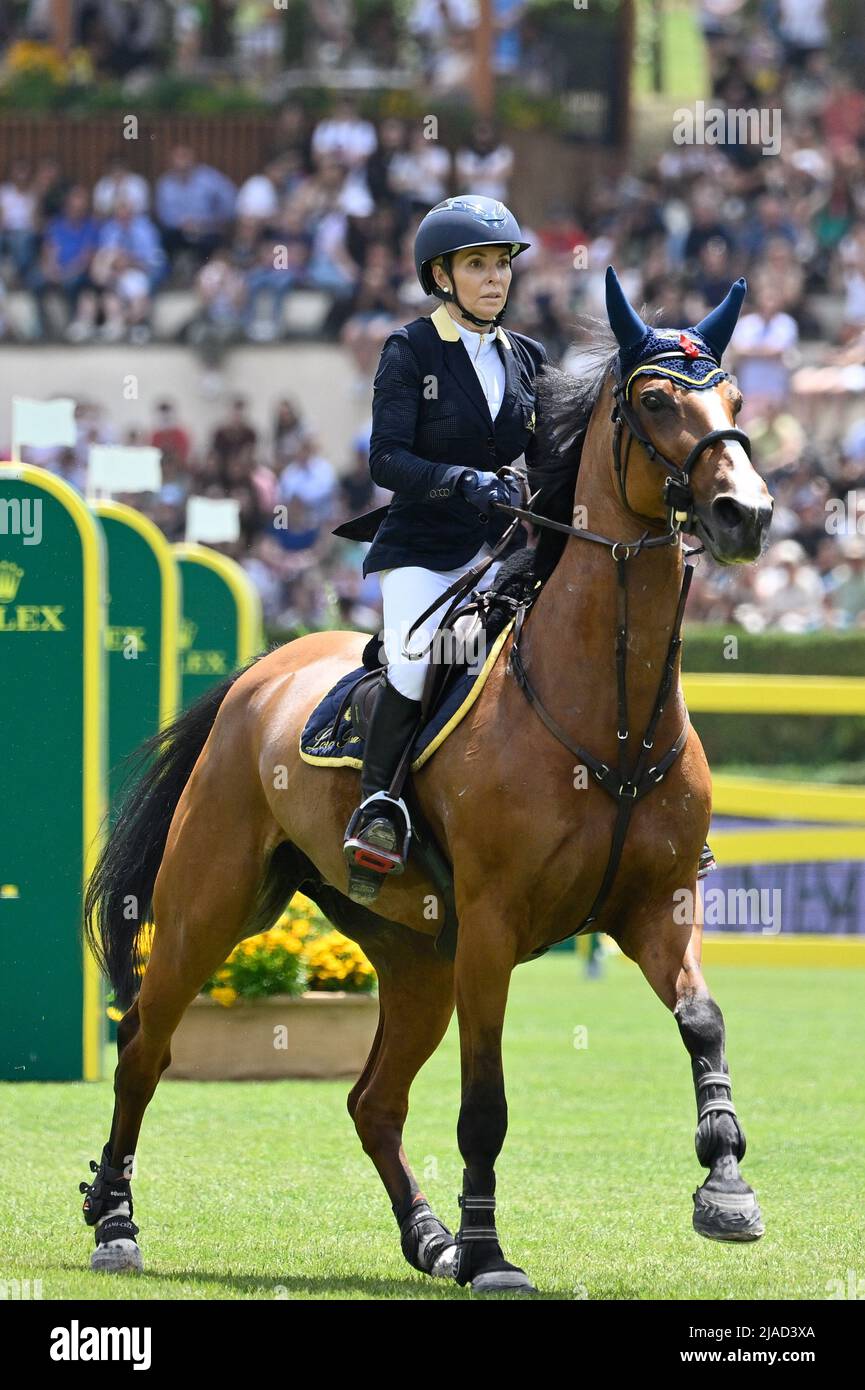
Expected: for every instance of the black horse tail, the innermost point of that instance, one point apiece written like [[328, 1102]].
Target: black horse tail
[[119, 897]]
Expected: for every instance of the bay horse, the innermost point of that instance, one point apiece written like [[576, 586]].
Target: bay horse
[[227, 822]]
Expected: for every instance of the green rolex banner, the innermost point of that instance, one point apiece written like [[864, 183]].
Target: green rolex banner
[[221, 629], [141, 633], [52, 725]]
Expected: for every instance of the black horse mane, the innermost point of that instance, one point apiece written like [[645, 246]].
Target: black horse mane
[[565, 405]]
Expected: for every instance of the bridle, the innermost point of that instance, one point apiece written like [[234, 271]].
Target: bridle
[[627, 787], [677, 495]]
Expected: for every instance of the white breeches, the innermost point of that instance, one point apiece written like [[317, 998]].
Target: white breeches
[[406, 592]]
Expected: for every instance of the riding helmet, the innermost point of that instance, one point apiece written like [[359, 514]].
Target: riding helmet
[[456, 223]]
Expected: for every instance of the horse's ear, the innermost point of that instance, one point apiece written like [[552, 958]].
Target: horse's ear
[[717, 327], [624, 321]]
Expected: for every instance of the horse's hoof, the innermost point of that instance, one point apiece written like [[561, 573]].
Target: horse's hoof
[[117, 1257], [503, 1281], [727, 1215], [445, 1265]]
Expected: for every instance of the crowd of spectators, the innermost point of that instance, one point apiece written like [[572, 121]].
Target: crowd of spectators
[[333, 210], [340, 201], [291, 494], [258, 38]]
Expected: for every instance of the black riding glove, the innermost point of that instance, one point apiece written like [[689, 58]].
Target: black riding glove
[[483, 490]]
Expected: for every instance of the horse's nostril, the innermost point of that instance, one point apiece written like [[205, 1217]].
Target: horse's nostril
[[730, 514], [739, 519]]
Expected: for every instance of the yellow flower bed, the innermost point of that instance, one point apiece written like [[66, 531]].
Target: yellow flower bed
[[28, 57], [335, 962], [301, 951]]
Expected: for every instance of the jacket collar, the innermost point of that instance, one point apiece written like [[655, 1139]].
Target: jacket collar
[[446, 328], [459, 364]]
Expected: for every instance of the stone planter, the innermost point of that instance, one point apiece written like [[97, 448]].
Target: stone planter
[[316, 1035]]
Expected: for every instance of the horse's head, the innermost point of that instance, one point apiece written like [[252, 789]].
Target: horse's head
[[678, 405]]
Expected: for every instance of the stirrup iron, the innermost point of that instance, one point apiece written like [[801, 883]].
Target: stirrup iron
[[365, 854]]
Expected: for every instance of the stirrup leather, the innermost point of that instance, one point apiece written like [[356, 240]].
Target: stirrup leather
[[364, 854]]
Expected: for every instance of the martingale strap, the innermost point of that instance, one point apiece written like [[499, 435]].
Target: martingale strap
[[625, 788]]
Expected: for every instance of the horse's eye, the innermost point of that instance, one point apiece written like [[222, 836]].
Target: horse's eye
[[652, 402]]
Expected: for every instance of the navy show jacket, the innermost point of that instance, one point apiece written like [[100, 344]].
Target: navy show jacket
[[430, 420]]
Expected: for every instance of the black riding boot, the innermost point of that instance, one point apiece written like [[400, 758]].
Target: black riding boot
[[377, 833]]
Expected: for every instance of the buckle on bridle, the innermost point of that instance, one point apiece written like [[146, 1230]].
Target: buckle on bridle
[[679, 499], [677, 494]]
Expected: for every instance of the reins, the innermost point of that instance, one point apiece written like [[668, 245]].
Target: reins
[[466, 582], [626, 787]]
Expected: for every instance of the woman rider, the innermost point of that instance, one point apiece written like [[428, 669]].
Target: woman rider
[[453, 401]]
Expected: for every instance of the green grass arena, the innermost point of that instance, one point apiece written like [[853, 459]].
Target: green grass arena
[[262, 1191]]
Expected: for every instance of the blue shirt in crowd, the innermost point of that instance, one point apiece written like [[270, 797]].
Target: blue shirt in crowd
[[138, 238], [204, 196], [72, 241]]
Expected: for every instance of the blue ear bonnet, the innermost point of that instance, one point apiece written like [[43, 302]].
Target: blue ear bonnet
[[689, 357], [661, 353]]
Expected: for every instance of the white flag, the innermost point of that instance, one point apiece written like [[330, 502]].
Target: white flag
[[124, 468], [212, 519], [44, 423]]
